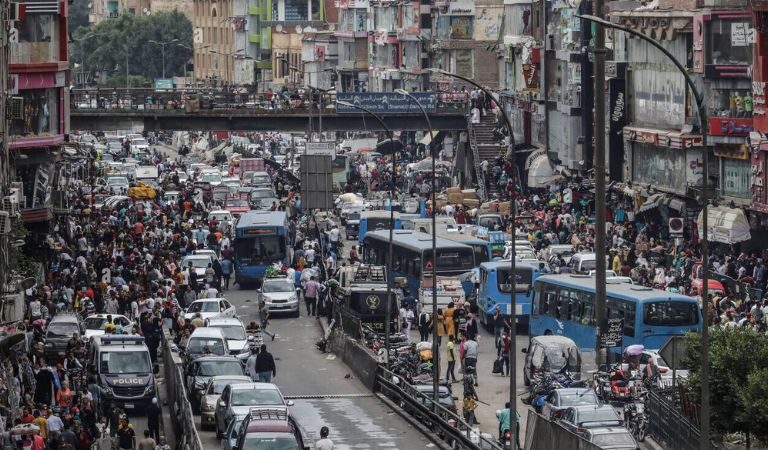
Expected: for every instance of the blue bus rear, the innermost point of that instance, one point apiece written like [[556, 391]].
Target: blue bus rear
[[496, 290], [260, 241], [376, 220], [565, 305]]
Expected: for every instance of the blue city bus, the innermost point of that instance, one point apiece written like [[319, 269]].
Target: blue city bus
[[565, 305], [412, 255], [496, 290], [376, 220], [260, 241]]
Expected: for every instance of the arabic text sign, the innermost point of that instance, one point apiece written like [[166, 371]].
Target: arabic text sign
[[386, 102], [612, 336]]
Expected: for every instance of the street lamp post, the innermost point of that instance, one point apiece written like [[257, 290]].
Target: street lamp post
[[435, 348], [512, 268], [388, 306], [162, 49], [81, 41], [703, 117]]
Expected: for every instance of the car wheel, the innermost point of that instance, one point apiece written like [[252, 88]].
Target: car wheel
[[297, 313]]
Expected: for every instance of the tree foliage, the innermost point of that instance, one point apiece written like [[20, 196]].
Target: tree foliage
[[738, 361], [107, 47], [78, 15]]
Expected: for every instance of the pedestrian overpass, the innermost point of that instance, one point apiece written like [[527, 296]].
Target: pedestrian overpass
[[184, 110]]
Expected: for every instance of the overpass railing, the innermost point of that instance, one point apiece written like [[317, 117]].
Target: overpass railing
[[182, 417], [192, 100]]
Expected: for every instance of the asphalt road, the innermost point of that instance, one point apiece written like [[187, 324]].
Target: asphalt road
[[356, 418]]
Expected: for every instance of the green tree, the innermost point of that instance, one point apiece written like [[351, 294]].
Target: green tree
[[737, 372], [109, 46], [78, 15]]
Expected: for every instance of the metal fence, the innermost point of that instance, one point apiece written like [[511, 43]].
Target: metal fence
[[450, 427], [182, 418], [669, 425], [544, 434]]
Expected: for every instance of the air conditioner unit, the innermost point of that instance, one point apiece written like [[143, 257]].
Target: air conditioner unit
[[19, 196], [15, 108], [5, 223], [11, 204], [17, 187]]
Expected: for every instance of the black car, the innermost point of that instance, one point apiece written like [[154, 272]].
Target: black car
[[199, 371], [61, 328]]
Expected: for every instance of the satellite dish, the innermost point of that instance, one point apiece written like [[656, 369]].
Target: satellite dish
[[279, 28], [331, 27], [298, 29]]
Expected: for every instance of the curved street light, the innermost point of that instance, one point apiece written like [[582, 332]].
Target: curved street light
[[435, 348], [512, 265], [703, 117], [162, 49], [388, 306]]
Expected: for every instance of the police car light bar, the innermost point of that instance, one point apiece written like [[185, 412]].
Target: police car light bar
[[122, 339]]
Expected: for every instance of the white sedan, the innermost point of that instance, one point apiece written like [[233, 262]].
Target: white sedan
[[209, 308], [95, 324]]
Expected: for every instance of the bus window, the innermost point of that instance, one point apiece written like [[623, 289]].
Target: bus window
[[451, 259], [481, 254], [262, 248], [670, 314]]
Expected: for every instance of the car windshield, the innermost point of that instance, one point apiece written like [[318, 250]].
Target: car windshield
[[118, 181], [62, 329], [598, 415], [216, 347], [217, 387], [587, 398], [125, 362], [139, 142], [588, 264], [256, 397], [613, 439], [235, 332], [221, 217], [200, 263], [262, 194], [213, 368], [210, 177], [277, 286], [204, 307], [261, 179], [237, 203], [270, 441]]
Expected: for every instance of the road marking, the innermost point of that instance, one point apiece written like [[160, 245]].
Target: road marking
[[320, 396]]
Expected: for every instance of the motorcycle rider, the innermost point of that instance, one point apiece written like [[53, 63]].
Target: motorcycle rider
[[503, 416]]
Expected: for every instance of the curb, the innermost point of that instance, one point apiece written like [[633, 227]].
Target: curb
[[651, 444]]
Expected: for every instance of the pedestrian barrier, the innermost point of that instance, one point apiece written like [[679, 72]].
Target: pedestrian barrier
[[451, 428], [669, 425], [544, 434], [182, 418], [356, 357]]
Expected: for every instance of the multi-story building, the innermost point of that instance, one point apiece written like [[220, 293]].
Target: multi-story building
[[214, 52], [395, 47], [352, 37], [40, 108], [320, 54]]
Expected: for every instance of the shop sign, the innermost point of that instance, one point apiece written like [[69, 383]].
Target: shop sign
[[722, 126], [531, 75], [691, 141], [694, 167], [675, 227], [461, 9], [758, 98], [732, 151], [644, 137], [618, 106]]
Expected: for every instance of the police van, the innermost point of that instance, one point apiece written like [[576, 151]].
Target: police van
[[123, 369]]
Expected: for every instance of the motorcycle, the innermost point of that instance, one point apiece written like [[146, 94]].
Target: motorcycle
[[635, 419]]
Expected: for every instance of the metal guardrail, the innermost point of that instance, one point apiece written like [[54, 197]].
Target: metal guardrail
[[667, 423], [182, 417], [450, 427]]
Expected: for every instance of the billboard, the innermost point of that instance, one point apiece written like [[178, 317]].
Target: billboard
[[316, 182], [386, 102], [163, 83]]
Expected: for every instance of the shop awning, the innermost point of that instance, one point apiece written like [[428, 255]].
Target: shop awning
[[529, 160], [654, 201], [541, 172], [726, 225]]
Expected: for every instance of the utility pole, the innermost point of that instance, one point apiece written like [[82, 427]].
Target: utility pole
[[599, 166]]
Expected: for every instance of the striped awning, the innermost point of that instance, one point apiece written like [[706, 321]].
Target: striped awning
[[40, 7]]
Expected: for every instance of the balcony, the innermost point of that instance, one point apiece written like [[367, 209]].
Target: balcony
[[34, 52]]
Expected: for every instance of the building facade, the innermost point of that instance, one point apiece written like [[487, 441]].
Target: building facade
[[39, 73]]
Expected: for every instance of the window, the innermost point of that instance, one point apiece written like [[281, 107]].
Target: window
[[523, 277], [619, 309], [728, 42], [261, 250], [736, 178], [40, 113], [461, 27], [564, 302], [730, 103], [38, 39], [670, 314]]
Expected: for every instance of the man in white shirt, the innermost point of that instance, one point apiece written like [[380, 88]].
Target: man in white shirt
[[324, 443]]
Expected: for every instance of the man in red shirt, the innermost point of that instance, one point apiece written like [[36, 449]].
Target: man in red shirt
[[27, 416]]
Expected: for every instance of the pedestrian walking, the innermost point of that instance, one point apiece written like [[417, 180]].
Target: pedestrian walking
[[425, 323], [153, 420], [264, 318], [250, 365], [324, 443], [310, 296], [265, 365]]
